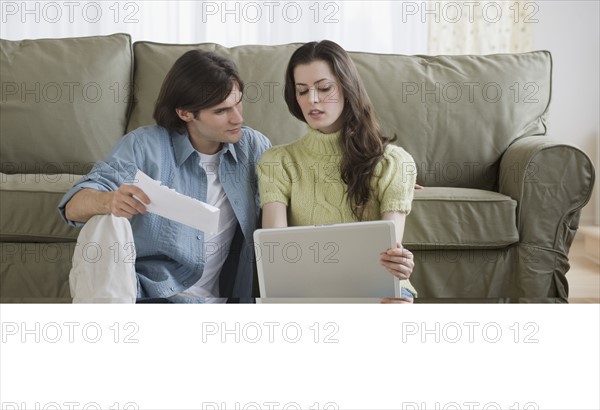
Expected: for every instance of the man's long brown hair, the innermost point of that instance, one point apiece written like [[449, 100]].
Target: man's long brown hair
[[362, 142]]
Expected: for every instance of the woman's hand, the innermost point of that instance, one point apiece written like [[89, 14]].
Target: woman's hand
[[398, 261]]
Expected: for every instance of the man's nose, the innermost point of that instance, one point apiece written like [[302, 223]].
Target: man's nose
[[236, 115]]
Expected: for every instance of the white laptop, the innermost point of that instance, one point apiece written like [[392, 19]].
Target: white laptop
[[338, 263]]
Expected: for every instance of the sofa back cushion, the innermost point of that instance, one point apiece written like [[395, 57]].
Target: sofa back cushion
[[64, 102], [455, 114], [262, 69]]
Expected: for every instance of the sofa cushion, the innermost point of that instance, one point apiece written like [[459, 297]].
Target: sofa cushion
[[28, 208], [64, 102], [456, 115], [460, 218], [35, 272]]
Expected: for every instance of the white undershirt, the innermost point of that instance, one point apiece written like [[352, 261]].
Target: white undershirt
[[216, 246]]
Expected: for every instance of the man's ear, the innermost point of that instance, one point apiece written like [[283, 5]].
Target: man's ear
[[184, 115]]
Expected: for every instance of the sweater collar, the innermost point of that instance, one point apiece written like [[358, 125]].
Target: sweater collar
[[323, 144]]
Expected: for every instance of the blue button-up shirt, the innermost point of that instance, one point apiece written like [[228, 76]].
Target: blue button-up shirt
[[170, 255]]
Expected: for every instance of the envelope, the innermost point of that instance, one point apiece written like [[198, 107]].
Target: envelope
[[172, 205]]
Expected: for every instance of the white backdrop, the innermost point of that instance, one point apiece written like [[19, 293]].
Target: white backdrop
[[375, 26], [402, 27]]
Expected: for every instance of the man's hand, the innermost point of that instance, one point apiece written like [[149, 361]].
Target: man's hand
[[398, 261], [124, 204]]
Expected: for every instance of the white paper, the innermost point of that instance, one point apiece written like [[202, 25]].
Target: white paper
[[170, 204]]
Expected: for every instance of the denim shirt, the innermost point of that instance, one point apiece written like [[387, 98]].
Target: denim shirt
[[170, 255]]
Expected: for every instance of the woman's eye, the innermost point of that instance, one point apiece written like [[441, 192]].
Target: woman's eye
[[302, 92], [325, 89]]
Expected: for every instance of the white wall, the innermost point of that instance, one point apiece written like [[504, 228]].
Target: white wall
[[373, 26], [569, 30]]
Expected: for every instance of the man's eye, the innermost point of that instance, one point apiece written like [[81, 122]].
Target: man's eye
[[220, 111]]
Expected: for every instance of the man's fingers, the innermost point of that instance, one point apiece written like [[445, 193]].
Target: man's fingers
[[133, 206], [126, 210], [123, 215], [137, 191], [124, 199]]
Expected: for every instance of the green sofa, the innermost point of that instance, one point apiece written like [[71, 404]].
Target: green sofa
[[496, 219]]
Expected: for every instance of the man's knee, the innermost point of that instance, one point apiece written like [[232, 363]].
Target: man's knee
[[104, 239], [106, 229], [108, 223], [99, 271]]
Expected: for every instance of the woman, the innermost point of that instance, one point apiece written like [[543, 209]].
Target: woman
[[344, 169]]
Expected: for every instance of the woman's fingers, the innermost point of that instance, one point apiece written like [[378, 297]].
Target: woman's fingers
[[398, 261]]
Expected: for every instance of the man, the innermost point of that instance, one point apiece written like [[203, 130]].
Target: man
[[199, 148]]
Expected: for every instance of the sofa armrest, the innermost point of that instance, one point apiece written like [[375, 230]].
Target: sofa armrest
[[551, 182]]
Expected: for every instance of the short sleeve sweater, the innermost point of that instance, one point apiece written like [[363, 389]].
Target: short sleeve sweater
[[305, 176]]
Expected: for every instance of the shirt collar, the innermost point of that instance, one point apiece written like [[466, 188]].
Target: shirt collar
[[231, 148], [183, 148]]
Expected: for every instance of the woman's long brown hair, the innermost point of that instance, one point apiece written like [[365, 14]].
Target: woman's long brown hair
[[362, 142]]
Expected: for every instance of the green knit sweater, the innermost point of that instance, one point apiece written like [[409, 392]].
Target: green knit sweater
[[305, 176]]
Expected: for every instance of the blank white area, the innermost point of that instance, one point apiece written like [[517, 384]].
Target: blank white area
[[356, 356]]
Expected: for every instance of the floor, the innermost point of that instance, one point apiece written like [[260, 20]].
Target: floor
[[583, 277]]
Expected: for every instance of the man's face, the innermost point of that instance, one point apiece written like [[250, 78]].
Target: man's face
[[216, 125]]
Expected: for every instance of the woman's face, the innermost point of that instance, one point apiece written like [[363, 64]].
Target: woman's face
[[320, 96]]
